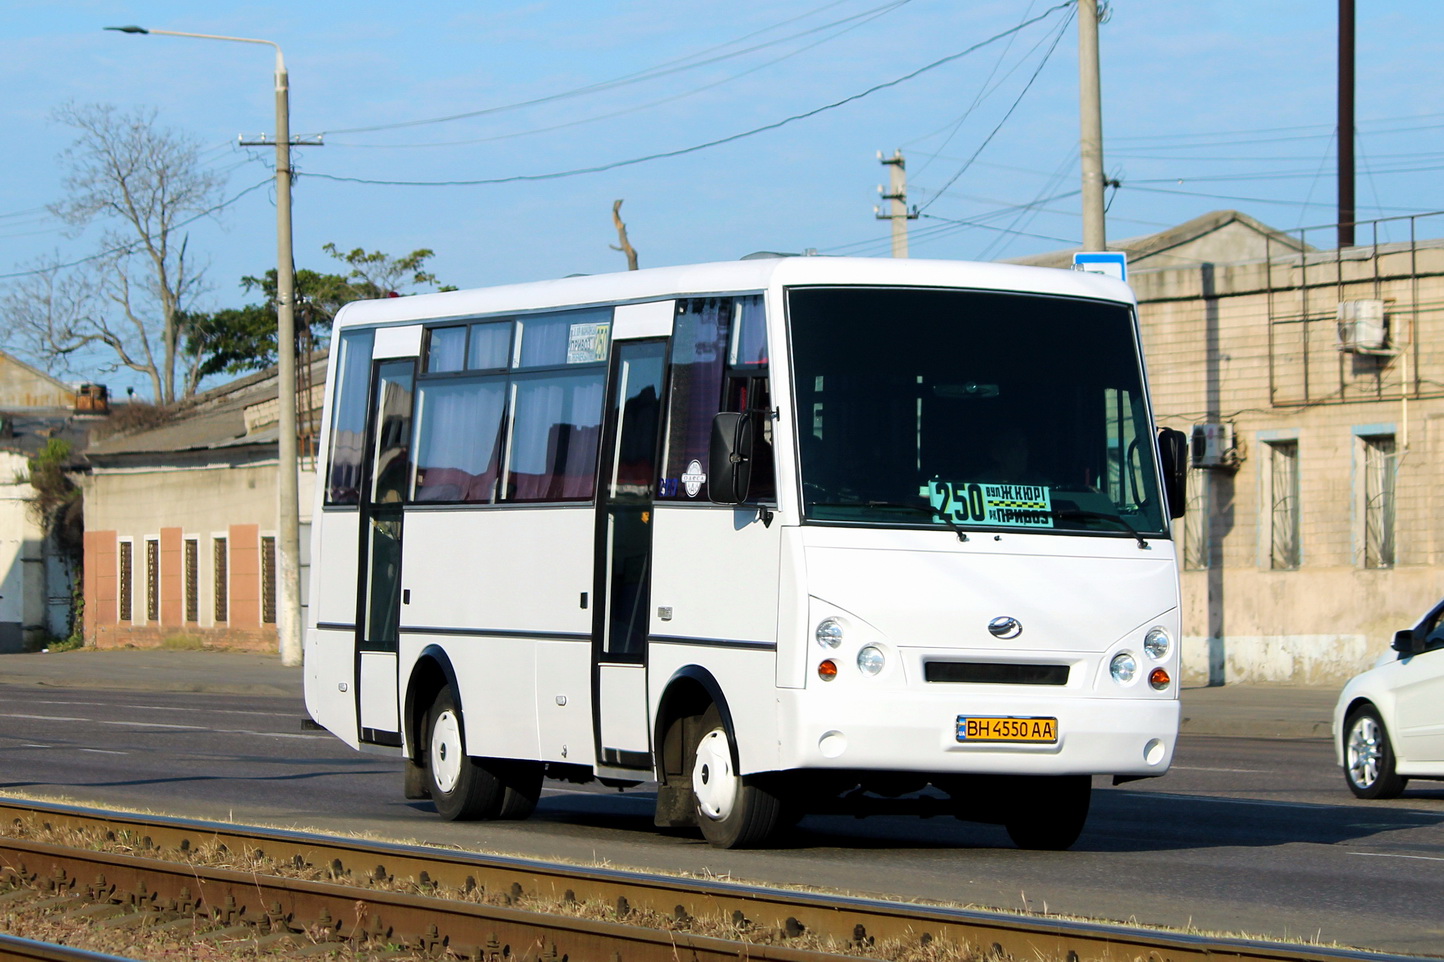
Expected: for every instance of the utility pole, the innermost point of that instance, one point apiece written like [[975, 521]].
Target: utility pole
[[1091, 127], [1346, 123], [897, 193]]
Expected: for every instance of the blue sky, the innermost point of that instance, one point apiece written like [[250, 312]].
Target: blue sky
[[1206, 105]]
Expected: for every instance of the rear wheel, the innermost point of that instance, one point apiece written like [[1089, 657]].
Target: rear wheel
[[464, 788], [734, 811], [1048, 813], [1369, 756]]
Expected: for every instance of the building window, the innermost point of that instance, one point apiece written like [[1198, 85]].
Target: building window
[[268, 580], [126, 581], [1380, 466], [1283, 504], [219, 545], [152, 580], [193, 588]]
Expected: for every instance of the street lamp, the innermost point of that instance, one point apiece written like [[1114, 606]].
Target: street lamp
[[289, 615]]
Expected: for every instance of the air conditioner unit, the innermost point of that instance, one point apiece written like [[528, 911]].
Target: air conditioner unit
[[1212, 446], [1363, 326]]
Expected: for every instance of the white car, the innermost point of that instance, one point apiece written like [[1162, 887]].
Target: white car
[[1389, 720]]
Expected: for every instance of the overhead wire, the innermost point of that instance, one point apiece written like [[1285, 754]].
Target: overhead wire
[[662, 70], [695, 148]]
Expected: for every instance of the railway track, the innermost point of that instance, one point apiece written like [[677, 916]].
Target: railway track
[[371, 896]]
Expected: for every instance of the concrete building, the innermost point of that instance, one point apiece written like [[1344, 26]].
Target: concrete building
[[1311, 380], [180, 524], [35, 568]]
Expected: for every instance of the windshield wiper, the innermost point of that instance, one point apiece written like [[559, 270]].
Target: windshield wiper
[[1078, 514], [930, 511]]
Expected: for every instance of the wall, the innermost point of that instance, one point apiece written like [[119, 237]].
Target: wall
[[1255, 345], [171, 507], [22, 562]]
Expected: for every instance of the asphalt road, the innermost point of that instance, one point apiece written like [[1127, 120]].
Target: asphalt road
[[1247, 835]]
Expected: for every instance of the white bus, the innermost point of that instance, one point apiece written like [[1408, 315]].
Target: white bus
[[784, 535]]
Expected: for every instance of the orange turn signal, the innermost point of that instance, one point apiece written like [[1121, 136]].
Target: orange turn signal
[[827, 670], [1159, 679]]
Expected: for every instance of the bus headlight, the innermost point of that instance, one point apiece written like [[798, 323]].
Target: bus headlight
[[870, 660], [1157, 643], [1123, 667], [829, 633]]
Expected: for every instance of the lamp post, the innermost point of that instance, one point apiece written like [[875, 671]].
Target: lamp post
[[289, 614]]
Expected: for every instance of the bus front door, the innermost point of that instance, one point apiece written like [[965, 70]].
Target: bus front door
[[379, 619], [623, 581]]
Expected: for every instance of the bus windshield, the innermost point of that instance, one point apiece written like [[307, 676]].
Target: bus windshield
[[978, 410]]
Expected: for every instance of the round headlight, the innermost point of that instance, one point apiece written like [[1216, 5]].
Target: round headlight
[[1123, 667], [870, 660], [829, 633], [1156, 643]]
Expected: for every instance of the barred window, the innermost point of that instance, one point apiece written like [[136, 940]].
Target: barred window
[[219, 545], [1284, 548], [1380, 465], [152, 580], [125, 586], [193, 568], [268, 580]]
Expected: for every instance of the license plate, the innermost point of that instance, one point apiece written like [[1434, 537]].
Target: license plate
[[995, 729]]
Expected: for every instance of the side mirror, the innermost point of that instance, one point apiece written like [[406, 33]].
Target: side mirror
[[1173, 463], [729, 460], [1406, 643]]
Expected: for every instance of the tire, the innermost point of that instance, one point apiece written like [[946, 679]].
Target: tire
[[1369, 756], [733, 811], [464, 788], [1047, 813]]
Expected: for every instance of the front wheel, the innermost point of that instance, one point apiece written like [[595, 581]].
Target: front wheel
[[734, 811], [1048, 813], [1369, 756], [464, 788]]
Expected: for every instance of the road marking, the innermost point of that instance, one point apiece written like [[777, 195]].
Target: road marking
[[43, 717], [148, 724], [1423, 858], [101, 751], [1231, 771], [208, 711]]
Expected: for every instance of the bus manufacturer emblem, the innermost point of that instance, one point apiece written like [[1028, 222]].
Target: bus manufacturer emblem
[[694, 478], [1005, 626]]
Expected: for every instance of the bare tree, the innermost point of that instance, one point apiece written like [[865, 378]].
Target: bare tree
[[141, 185]]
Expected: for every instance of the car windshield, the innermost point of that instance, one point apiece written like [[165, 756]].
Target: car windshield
[[979, 409]]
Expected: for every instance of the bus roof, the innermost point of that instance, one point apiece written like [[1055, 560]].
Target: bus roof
[[729, 277]]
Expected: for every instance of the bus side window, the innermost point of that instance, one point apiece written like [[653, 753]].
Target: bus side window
[[747, 390], [348, 418]]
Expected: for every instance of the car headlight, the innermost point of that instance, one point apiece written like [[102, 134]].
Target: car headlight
[[1157, 643], [1123, 667], [870, 660], [829, 633]]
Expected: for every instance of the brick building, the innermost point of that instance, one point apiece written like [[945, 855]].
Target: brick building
[[180, 524], [1312, 382]]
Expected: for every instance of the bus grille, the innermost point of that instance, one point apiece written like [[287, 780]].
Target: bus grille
[[994, 673]]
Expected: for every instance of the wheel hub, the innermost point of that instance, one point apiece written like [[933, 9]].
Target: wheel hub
[[1364, 752], [714, 783], [446, 751]]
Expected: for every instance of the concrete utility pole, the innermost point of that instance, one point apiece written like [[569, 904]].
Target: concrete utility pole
[[897, 193], [288, 497], [1346, 123], [1091, 140]]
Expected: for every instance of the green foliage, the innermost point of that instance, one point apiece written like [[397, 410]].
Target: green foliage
[[239, 340], [55, 494]]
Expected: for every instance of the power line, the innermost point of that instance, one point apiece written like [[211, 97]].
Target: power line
[[132, 248], [662, 155], [651, 73], [1019, 99], [596, 118]]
